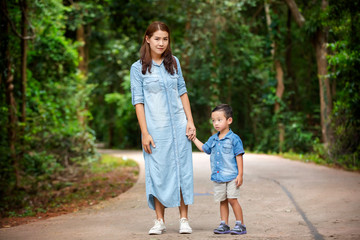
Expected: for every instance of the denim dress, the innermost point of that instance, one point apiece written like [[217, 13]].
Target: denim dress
[[168, 169]]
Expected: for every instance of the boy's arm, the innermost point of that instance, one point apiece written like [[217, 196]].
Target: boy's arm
[[198, 144], [239, 178]]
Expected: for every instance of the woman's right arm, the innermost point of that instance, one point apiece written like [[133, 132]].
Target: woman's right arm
[[146, 139]]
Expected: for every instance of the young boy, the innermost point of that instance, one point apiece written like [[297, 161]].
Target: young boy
[[226, 159]]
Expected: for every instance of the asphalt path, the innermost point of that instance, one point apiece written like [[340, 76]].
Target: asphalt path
[[281, 199]]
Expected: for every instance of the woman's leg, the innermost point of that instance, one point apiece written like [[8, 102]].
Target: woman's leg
[[159, 209], [159, 226], [184, 222], [183, 209]]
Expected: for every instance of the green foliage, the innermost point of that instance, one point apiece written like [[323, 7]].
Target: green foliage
[[115, 121], [124, 111], [54, 142], [344, 63]]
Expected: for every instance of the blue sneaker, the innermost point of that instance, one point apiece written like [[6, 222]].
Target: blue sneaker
[[222, 229], [238, 229]]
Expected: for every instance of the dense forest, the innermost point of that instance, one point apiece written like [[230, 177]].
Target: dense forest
[[288, 68]]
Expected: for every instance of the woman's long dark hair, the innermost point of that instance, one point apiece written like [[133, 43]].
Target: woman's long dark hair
[[145, 51]]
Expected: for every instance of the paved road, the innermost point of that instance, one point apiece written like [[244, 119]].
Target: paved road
[[281, 199]]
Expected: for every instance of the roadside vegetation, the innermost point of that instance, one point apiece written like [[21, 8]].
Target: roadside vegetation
[[99, 180]]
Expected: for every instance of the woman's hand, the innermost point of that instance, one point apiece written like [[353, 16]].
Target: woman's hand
[[146, 141], [190, 131]]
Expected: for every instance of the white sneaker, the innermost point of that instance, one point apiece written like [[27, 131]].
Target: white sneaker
[[158, 228], [184, 226]]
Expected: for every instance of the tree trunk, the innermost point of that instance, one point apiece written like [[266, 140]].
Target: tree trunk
[[24, 23], [9, 90], [24, 9], [80, 37], [111, 135], [83, 63], [324, 81], [300, 20], [280, 84], [320, 40], [324, 85], [289, 70], [279, 78], [215, 66], [185, 55]]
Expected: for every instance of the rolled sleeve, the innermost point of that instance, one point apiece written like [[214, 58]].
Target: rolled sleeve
[[137, 93], [180, 81], [238, 146], [207, 146]]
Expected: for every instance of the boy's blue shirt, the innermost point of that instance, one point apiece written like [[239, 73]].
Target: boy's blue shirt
[[223, 154]]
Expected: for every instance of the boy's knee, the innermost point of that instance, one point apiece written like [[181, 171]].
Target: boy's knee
[[224, 201], [232, 200]]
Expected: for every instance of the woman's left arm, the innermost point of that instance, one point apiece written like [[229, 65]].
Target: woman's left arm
[[190, 128]]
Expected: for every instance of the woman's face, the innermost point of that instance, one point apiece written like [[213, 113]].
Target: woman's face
[[158, 43]]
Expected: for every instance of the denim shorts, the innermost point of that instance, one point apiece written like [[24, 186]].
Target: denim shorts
[[223, 191]]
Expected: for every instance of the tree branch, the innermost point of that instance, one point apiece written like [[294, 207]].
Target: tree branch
[[28, 22], [258, 11], [13, 28], [299, 18]]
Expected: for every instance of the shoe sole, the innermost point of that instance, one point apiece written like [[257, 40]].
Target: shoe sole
[[238, 233], [185, 232], [227, 232], [157, 233]]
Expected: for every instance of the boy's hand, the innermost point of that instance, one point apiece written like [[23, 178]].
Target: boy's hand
[[239, 180]]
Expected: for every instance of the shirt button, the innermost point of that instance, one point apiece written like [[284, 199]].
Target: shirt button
[[217, 171]]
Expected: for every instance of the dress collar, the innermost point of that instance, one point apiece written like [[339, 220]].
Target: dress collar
[[156, 64]]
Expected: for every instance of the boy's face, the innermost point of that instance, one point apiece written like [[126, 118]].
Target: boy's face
[[219, 121]]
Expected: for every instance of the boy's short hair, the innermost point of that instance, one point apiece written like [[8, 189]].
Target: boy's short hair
[[225, 108]]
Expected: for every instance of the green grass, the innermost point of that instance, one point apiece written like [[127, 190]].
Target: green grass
[[107, 163], [304, 157]]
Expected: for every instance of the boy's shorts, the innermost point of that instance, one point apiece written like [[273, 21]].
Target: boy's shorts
[[225, 190]]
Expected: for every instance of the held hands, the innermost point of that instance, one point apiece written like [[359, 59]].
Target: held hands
[[239, 180], [146, 141], [190, 131]]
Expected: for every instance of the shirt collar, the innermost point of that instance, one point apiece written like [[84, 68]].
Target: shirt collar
[[226, 136], [158, 65]]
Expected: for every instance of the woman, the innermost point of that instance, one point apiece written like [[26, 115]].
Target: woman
[[163, 110]]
